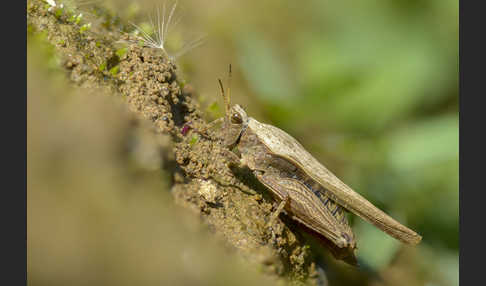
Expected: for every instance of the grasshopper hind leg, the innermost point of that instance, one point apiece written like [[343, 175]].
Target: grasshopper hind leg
[[285, 202], [306, 208]]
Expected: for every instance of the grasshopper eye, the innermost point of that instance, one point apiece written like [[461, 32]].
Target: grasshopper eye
[[236, 118]]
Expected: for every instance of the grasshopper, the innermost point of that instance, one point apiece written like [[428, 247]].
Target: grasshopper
[[308, 191]]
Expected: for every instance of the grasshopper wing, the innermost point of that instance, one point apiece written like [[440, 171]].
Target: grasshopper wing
[[282, 144], [305, 208]]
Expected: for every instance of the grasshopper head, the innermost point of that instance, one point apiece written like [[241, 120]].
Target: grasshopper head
[[236, 119], [235, 123]]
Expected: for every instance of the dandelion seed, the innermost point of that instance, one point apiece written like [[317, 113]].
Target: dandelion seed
[[164, 22], [51, 2], [191, 45], [80, 3]]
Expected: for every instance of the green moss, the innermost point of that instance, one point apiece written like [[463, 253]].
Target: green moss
[[102, 67], [30, 28], [114, 70], [193, 140], [47, 51], [85, 28], [76, 19], [121, 52], [59, 12]]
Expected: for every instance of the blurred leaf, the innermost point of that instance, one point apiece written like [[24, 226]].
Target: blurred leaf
[[377, 248], [373, 66], [442, 265], [263, 69], [427, 142]]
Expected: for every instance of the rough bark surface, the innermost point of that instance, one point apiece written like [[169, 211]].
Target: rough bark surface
[[231, 202]]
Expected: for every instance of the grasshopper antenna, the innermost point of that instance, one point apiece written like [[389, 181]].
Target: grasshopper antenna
[[229, 85], [226, 100], [227, 95]]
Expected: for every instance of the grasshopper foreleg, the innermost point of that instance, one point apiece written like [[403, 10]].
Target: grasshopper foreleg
[[201, 131]]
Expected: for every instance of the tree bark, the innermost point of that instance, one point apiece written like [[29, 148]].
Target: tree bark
[[233, 204]]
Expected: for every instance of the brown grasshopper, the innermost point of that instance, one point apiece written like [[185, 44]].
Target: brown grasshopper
[[307, 190]]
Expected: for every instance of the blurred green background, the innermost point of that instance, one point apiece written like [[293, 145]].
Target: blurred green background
[[369, 88]]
